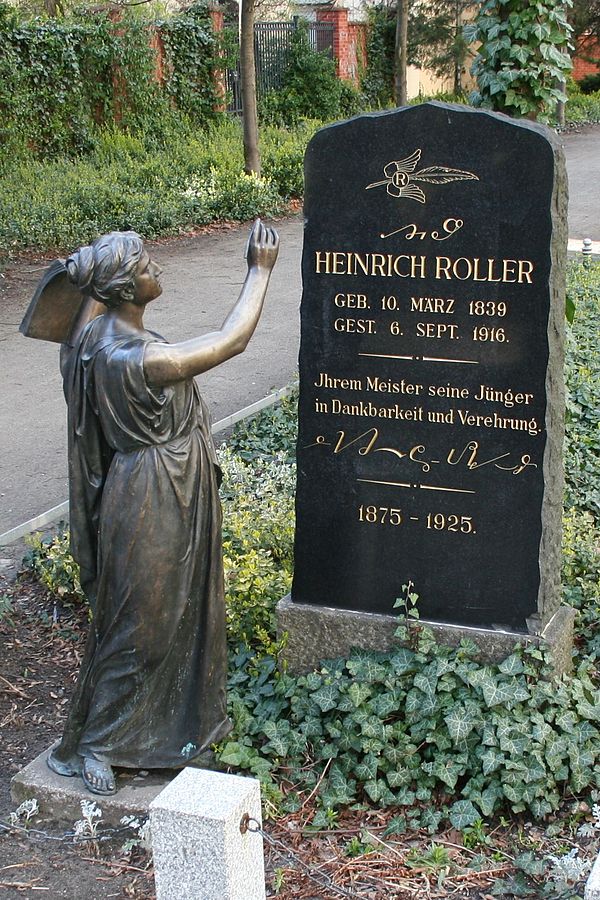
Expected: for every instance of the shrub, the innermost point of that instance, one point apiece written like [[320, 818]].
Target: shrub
[[272, 431], [231, 195], [258, 530], [50, 560], [590, 84], [583, 108], [310, 88], [283, 156], [124, 183]]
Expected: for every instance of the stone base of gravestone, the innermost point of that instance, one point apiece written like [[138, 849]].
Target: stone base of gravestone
[[204, 838], [322, 632]]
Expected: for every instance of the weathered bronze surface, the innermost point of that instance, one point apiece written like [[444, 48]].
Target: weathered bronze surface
[[145, 512], [56, 307]]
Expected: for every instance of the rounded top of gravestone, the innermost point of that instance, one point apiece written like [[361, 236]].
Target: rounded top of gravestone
[[435, 111]]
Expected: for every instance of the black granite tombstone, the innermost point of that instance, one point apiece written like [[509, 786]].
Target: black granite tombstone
[[430, 409]]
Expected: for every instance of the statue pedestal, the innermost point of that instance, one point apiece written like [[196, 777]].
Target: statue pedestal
[[59, 798]]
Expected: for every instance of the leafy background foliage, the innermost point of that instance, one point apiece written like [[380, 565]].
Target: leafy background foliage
[[62, 79], [524, 55], [310, 87], [127, 181]]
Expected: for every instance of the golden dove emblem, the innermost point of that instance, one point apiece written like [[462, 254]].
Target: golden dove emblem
[[400, 177]]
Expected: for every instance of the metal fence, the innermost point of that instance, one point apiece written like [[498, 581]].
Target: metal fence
[[272, 43]]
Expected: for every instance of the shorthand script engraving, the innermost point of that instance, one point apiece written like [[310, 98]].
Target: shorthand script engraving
[[423, 408]]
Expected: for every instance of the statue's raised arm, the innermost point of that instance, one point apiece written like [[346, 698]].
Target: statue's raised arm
[[168, 363]]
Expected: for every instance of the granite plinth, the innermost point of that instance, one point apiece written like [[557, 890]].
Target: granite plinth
[[59, 798], [321, 632]]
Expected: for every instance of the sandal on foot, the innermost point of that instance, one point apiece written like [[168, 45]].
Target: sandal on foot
[[98, 777]]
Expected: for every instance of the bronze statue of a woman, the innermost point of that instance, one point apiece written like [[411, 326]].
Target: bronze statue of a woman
[[145, 513]]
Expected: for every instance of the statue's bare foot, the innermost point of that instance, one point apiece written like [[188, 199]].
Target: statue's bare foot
[[68, 767], [98, 777]]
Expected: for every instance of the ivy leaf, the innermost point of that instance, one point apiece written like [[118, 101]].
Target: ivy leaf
[[487, 800], [431, 819], [541, 807], [585, 732], [311, 727], [326, 697], [395, 755], [373, 728], [340, 790], [491, 761], [495, 693], [366, 769], [328, 750], [374, 790], [477, 677], [419, 706], [397, 778], [513, 792], [512, 744], [261, 767], [462, 814], [366, 668], [358, 693], [448, 770], [384, 704], [426, 682], [404, 797], [403, 660], [234, 754], [512, 665], [313, 681], [566, 720], [460, 721], [528, 863]]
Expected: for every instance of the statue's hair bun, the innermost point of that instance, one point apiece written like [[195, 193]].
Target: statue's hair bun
[[80, 267]]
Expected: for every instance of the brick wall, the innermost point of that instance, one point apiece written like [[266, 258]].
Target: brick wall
[[586, 60], [349, 42]]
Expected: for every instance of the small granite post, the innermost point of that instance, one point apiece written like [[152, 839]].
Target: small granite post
[[592, 887], [202, 850]]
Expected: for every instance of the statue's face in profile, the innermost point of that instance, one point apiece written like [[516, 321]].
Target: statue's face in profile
[[147, 285]]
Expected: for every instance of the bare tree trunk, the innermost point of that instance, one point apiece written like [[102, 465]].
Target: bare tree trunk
[[53, 8], [400, 61], [457, 59], [560, 106], [249, 115]]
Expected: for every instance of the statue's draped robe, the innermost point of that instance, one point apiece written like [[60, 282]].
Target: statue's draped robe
[[146, 532]]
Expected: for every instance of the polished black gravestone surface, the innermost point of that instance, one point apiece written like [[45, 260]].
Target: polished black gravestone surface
[[431, 405]]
